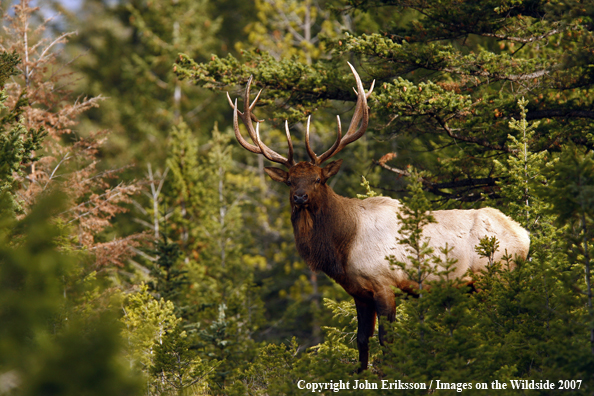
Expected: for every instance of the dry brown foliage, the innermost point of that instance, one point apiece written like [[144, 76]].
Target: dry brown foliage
[[386, 158], [68, 160]]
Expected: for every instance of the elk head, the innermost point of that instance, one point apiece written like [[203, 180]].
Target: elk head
[[307, 180]]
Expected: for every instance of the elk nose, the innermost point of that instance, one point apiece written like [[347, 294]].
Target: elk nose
[[300, 198]]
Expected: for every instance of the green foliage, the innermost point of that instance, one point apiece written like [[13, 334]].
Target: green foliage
[[8, 63], [132, 47], [414, 216], [214, 290], [435, 327], [160, 348], [310, 85], [226, 285], [511, 328], [168, 280], [186, 169], [571, 195], [291, 29], [487, 247], [146, 321], [447, 84], [271, 367], [82, 359], [17, 143], [571, 190], [56, 337], [524, 169], [178, 367], [368, 191], [278, 369]]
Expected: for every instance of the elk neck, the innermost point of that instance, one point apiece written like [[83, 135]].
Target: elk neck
[[325, 231]]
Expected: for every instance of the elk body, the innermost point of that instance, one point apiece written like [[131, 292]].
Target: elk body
[[349, 239]]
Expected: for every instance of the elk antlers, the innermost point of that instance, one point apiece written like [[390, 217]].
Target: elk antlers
[[361, 116], [247, 118]]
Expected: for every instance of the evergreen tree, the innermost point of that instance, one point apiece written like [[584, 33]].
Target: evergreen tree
[[58, 336], [132, 46], [450, 77], [571, 195], [222, 305], [168, 279], [160, 348], [39, 95], [448, 82], [17, 144]]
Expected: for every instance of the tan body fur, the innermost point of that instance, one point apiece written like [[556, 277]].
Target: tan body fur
[[377, 237]]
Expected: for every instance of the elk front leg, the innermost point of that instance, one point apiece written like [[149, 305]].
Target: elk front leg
[[366, 326]]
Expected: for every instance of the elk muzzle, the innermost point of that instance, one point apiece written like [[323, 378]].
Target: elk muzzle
[[300, 198]]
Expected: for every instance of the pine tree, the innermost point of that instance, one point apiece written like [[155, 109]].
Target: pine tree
[[222, 308], [40, 94], [571, 196], [57, 334], [132, 47], [415, 215], [168, 279], [17, 144], [448, 83], [450, 76]]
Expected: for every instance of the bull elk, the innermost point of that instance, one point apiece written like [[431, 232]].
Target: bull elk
[[349, 239]]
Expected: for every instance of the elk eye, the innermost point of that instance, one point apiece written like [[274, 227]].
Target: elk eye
[[288, 183], [318, 180]]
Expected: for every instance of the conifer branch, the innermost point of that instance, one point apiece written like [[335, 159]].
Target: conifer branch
[[470, 139], [437, 188], [525, 40]]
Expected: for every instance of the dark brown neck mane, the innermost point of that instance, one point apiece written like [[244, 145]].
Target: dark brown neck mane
[[325, 231]]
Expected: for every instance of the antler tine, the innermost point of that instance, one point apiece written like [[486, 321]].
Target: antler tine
[[354, 133], [230, 101], [361, 110], [361, 114], [330, 152], [255, 100], [312, 155], [240, 139], [247, 111], [290, 142], [259, 143], [249, 107], [272, 155], [368, 92]]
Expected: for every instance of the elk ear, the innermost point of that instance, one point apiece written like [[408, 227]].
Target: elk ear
[[331, 169], [276, 174]]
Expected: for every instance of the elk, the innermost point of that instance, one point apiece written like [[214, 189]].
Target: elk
[[349, 239]]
